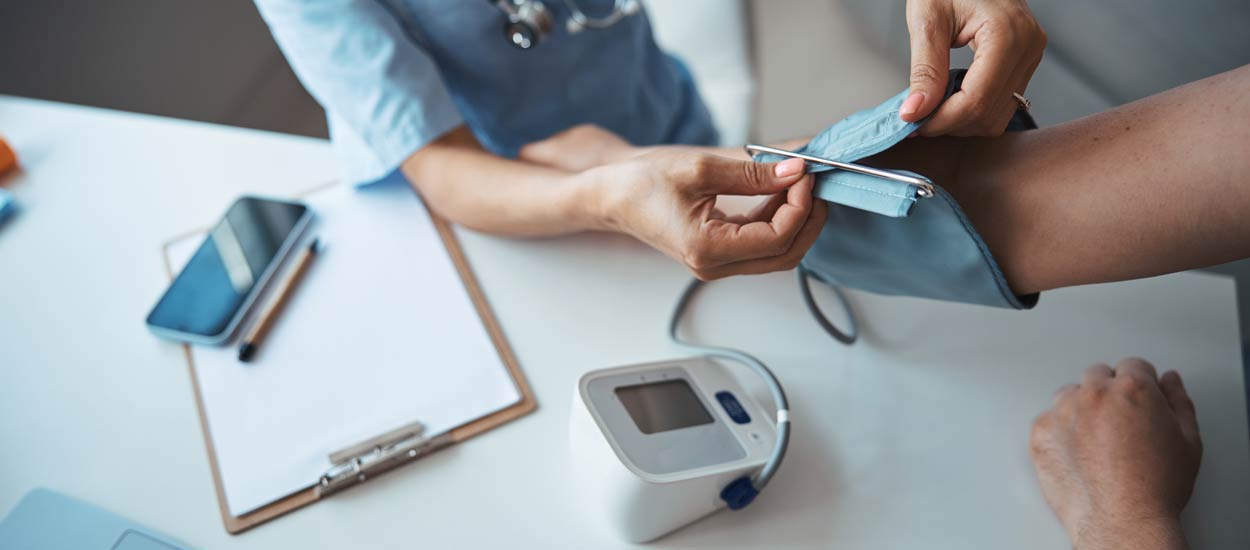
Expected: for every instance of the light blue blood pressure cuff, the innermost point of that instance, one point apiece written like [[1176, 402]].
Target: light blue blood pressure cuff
[[881, 236]]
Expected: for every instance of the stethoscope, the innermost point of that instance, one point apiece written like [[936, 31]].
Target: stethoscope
[[529, 21]]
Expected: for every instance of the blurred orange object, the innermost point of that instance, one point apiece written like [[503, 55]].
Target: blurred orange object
[[8, 159]]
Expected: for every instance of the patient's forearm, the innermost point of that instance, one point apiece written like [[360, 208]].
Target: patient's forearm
[[1156, 186]]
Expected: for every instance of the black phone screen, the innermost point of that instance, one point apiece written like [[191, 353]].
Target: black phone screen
[[207, 294]]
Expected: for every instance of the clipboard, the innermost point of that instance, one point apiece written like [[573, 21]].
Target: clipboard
[[363, 460]]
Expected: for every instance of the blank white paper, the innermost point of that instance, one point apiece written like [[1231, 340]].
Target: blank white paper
[[380, 333]]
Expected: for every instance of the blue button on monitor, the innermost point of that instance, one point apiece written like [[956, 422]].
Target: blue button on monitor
[[733, 407]]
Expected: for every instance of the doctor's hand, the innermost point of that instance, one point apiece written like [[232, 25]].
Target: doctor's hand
[[1007, 43], [1117, 457], [666, 197]]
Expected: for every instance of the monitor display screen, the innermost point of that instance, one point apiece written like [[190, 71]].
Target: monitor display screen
[[663, 406]]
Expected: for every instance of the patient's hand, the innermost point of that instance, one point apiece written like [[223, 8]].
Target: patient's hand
[[1117, 456]]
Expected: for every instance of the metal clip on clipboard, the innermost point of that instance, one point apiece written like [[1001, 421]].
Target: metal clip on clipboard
[[924, 186], [357, 463]]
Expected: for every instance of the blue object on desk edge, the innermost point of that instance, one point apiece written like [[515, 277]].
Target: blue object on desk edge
[[48, 519], [7, 205]]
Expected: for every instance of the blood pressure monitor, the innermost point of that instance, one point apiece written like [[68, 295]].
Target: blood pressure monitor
[[655, 445]]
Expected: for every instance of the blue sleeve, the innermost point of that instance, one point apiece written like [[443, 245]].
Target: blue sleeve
[[382, 92]]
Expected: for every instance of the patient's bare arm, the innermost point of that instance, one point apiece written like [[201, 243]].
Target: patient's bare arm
[[1156, 186]]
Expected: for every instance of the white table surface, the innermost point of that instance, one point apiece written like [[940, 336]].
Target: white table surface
[[915, 437]]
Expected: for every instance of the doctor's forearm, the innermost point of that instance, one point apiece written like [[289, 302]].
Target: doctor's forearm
[[472, 187]]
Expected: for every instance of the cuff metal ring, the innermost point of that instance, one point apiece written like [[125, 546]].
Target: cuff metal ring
[[1024, 103]]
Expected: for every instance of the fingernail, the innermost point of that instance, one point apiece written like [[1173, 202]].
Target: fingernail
[[911, 104], [788, 168]]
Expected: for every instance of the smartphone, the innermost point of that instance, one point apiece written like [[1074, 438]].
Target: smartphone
[[211, 295]]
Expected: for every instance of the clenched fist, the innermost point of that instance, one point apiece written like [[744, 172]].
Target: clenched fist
[[1117, 456]]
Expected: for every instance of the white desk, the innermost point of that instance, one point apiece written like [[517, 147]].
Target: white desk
[[916, 437]]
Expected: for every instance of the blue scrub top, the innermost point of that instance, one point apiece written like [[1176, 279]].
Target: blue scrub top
[[394, 75]]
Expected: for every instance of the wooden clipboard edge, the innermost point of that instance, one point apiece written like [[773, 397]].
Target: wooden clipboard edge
[[527, 404]]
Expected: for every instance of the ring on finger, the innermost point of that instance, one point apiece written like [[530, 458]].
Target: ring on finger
[[1023, 101]]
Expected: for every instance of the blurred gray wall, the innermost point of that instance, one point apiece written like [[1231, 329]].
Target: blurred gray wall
[[207, 60]]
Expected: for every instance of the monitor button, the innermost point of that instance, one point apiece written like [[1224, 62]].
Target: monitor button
[[733, 408]]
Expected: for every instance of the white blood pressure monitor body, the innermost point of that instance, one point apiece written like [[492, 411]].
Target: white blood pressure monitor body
[[653, 445]]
